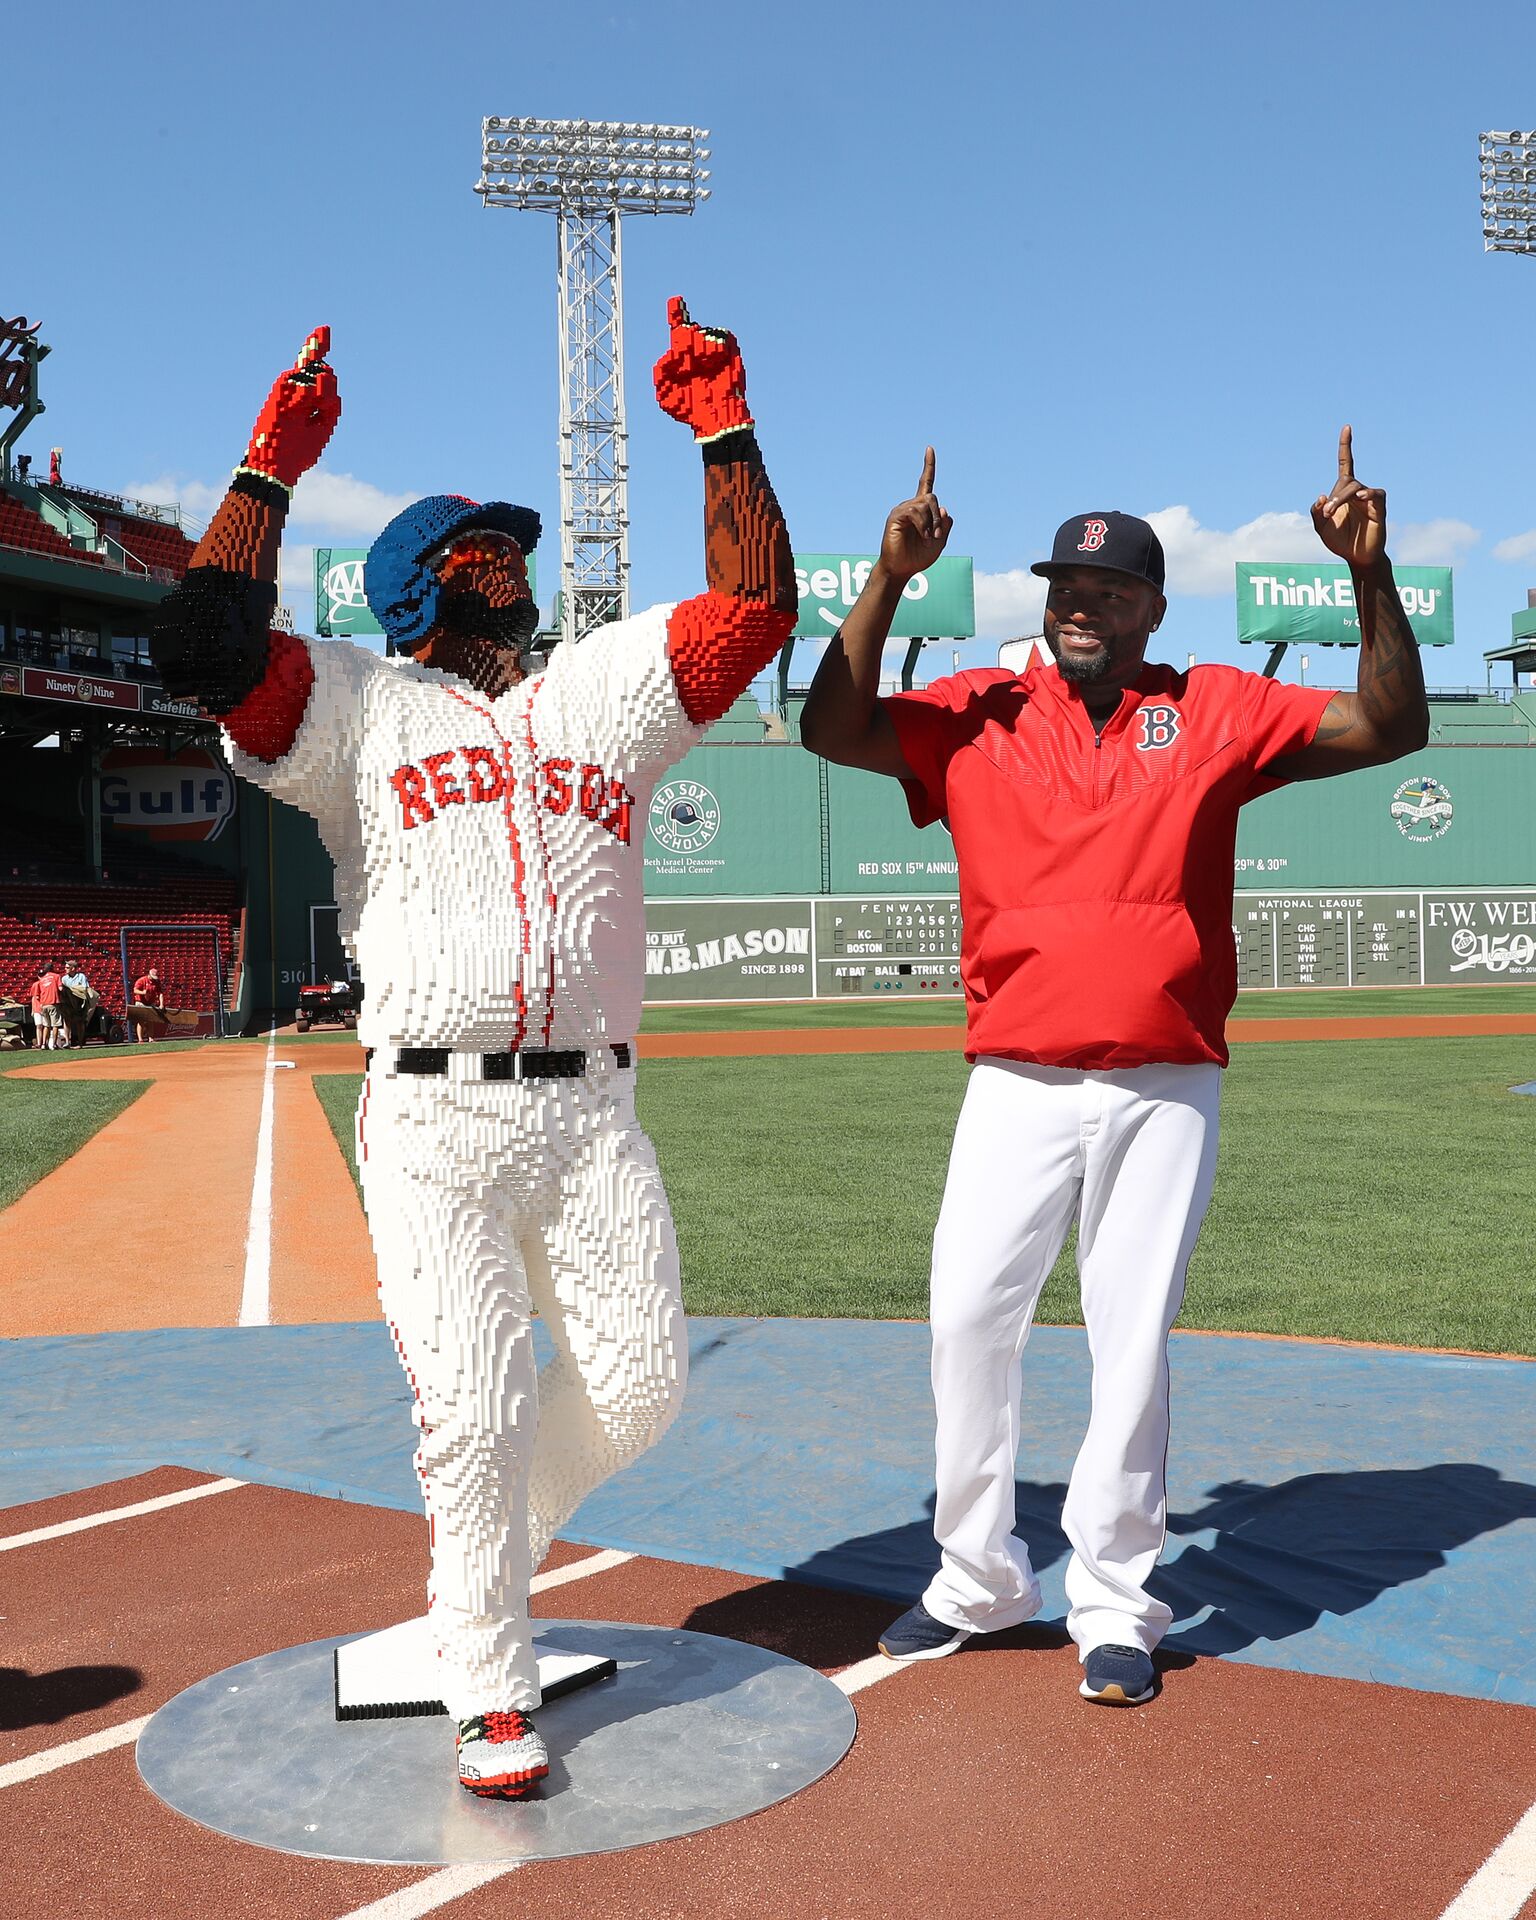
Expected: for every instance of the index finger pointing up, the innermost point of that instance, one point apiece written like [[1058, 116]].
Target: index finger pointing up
[[316, 347], [925, 485], [1346, 454]]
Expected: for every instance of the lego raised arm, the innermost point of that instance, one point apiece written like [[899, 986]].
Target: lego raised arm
[[720, 640], [212, 640]]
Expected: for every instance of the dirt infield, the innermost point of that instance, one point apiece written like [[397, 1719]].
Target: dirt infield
[[1254, 1792]]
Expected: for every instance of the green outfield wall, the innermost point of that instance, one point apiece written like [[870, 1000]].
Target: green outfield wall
[[775, 820], [771, 875]]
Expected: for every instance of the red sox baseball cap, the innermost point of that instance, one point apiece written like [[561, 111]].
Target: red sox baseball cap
[[1118, 541]]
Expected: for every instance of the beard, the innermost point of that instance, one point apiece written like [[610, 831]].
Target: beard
[[1081, 669], [467, 611]]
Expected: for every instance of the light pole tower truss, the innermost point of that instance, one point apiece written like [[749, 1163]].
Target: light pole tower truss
[[589, 174]]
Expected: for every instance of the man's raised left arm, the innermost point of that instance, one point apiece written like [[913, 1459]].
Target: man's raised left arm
[[721, 640]]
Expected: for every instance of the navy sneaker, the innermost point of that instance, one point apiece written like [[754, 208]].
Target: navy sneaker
[[1118, 1676], [918, 1636]]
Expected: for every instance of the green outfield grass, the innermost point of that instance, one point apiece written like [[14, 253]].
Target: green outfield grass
[[42, 1122], [1368, 1190], [1356, 1003], [1313, 1003]]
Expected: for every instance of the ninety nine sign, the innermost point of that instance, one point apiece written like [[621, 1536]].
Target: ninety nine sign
[[82, 690], [1315, 606], [940, 603], [41, 683]]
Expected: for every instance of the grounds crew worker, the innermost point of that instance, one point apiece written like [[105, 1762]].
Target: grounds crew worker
[[488, 829], [1093, 804]]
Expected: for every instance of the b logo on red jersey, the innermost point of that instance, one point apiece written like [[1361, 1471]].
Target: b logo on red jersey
[[1094, 532], [1159, 727]]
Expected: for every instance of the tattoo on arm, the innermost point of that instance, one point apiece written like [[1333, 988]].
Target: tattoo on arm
[[1391, 675], [1387, 714]]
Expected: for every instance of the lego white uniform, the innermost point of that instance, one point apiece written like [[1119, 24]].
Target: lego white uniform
[[489, 868]]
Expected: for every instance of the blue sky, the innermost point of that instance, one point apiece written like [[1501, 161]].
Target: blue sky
[[1105, 255]]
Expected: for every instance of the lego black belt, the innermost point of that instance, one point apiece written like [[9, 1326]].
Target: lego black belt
[[531, 1063]]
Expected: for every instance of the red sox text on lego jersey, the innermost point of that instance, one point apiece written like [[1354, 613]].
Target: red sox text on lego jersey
[[473, 776]]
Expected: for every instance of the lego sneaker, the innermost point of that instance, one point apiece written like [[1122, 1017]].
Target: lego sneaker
[[501, 1757], [918, 1636], [1118, 1676]]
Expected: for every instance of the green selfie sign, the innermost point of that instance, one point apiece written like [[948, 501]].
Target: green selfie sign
[[939, 604]]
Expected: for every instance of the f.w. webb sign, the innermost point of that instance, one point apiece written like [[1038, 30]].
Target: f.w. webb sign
[[1315, 606]]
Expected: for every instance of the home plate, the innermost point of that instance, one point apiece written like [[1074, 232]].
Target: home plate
[[393, 1675]]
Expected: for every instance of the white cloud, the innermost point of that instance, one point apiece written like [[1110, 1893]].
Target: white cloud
[[344, 507], [1519, 546], [296, 563], [1431, 543], [1008, 604], [197, 497], [1201, 559], [327, 506]]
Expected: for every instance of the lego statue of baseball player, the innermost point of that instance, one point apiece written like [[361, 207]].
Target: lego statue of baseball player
[[1094, 805], [487, 830]]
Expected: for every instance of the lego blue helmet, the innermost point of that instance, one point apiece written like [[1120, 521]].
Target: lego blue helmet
[[401, 589]]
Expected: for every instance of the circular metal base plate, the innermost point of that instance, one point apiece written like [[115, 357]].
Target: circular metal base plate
[[692, 1731]]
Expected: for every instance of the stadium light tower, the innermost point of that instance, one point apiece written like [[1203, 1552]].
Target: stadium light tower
[[589, 174], [1507, 164]]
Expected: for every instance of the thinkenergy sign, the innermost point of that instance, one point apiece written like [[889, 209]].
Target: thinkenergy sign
[[1315, 606]]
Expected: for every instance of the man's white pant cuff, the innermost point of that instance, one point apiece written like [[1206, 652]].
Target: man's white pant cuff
[[982, 1616], [1113, 1630]]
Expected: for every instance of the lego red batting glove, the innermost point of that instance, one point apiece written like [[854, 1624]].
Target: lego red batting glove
[[302, 409], [700, 379]]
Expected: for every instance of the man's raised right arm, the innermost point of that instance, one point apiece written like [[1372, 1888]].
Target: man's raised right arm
[[212, 639], [843, 719]]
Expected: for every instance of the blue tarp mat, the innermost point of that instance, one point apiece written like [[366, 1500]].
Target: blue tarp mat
[[1335, 1510]]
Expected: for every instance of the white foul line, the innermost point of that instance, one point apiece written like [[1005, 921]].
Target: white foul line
[[864, 1673], [87, 1520], [256, 1293], [426, 1896], [1506, 1879], [578, 1569], [15, 1771]]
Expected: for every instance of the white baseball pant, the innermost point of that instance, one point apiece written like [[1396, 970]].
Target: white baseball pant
[[1132, 1154], [488, 1202]]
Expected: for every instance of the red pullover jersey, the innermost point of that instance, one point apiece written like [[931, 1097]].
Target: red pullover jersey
[[1096, 870]]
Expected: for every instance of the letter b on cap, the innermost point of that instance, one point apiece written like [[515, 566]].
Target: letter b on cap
[[1094, 532]]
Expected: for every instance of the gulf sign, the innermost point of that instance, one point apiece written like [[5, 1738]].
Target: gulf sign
[[188, 795]]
